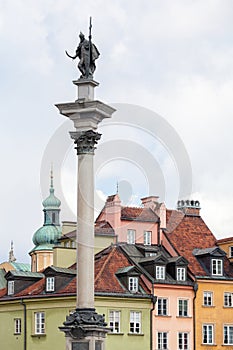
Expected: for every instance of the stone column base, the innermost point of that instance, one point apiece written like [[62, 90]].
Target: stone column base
[[85, 330]]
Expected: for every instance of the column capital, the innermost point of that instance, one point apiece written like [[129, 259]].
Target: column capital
[[85, 141]]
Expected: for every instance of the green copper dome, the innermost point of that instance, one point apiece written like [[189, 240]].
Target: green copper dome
[[46, 235], [51, 202]]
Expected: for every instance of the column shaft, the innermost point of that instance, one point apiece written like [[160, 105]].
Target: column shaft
[[85, 232]]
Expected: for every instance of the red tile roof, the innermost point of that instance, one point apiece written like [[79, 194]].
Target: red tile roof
[[103, 227], [106, 265], [190, 233], [225, 240], [34, 289], [3, 292], [139, 214]]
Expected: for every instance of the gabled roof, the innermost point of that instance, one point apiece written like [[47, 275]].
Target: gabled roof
[[24, 274], [210, 251], [59, 270], [107, 263], [187, 233]]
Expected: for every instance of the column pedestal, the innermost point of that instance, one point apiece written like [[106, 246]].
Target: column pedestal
[[85, 330]]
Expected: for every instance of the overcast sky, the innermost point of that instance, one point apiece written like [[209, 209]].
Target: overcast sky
[[172, 57]]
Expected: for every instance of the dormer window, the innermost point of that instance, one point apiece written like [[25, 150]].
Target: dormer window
[[160, 272], [217, 267], [11, 287], [231, 252], [181, 274], [147, 237], [133, 284], [150, 254], [50, 284]]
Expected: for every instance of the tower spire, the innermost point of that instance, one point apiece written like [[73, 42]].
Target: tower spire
[[51, 178], [11, 254]]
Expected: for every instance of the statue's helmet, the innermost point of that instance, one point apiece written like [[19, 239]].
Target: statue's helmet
[[81, 35]]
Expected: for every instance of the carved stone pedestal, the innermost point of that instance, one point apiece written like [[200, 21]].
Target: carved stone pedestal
[[85, 330]]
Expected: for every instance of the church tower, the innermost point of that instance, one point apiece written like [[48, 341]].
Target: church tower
[[46, 236]]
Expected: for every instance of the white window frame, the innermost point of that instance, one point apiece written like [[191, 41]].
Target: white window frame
[[17, 325], [11, 287], [217, 267], [135, 322], [183, 340], [160, 272], [39, 318], [114, 321], [230, 251], [50, 284], [228, 334], [147, 237], [131, 234], [162, 306], [133, 284], [228, 299], [184, 304], [162, 340], [73, 244], [206, 327], [181, 274], [207, 298]]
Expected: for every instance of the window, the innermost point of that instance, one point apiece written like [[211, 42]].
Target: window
[[207, 334], [73, 244], [131, 236], [181, 274], [162, 340], [183, 342], [11, 287], [133, 284], [147, 237], [231, 252], [150, 254], [135, 322], [207, 298], [228, 334], [114, 321], [67, 244], [50, 284], [53, 218], [162, 307], [39, 323], [183, 307], [217, 267], [160, 272], [17, 325], [228, 299]]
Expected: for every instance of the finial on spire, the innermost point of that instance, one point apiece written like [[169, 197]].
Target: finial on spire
[[117, 189], [11, 254], [51, 176]]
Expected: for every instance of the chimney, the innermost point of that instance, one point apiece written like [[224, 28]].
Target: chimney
[[112, 211], [189, 207], [151, 202]]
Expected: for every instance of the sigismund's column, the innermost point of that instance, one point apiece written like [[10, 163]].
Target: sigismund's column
[[85, 329]]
